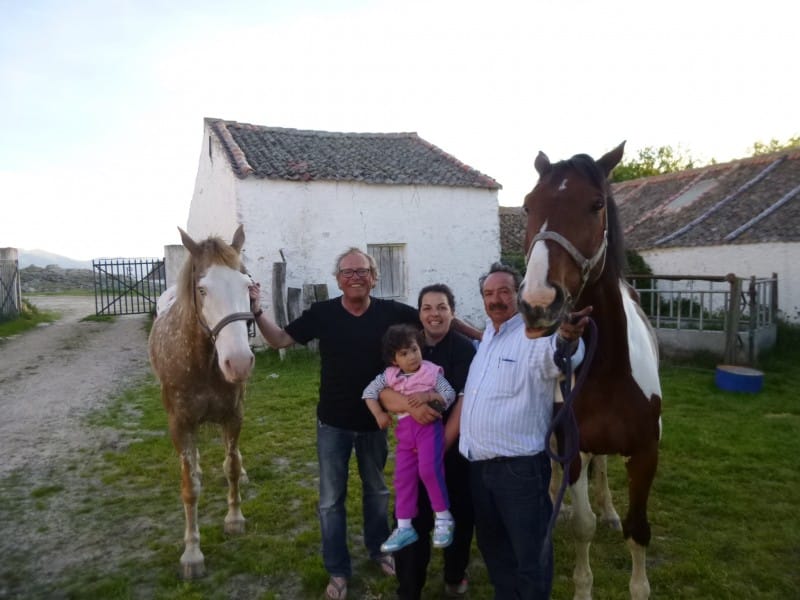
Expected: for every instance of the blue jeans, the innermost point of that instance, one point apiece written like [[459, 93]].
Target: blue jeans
[[334, 447], [512, 511]]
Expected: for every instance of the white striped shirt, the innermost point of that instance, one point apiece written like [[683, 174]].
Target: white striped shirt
[[508, 397]]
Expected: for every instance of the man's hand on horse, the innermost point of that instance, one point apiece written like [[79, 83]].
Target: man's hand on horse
[[572, 326]]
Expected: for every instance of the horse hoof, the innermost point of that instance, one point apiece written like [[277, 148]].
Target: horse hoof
[[614, 524], [235, 526], [193, 570]]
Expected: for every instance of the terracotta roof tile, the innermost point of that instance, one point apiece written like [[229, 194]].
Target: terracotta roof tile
[[304, 155], [747, 201]]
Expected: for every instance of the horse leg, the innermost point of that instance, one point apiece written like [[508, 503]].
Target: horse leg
[[636, 528], [602, 493], [232, 466], [192, 560], [584, 524]]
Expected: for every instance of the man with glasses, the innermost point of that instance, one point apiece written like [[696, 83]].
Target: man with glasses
[[349, 329]]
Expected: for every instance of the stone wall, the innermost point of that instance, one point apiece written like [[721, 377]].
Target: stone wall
[[54, 279]]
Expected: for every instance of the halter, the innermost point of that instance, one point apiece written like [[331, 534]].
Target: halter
[[214, 332], [586, 264]]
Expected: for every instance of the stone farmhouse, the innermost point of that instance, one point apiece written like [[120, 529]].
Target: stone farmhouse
[[306, 196], [740, 217]]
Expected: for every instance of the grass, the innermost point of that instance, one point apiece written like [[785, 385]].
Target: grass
[[29, 317], [723, 507]]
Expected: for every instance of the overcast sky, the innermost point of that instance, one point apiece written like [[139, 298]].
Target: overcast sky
[[102, 102]]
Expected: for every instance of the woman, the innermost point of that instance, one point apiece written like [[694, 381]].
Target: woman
[[453, 352]]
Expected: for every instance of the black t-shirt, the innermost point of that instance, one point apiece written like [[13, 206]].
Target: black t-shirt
[[454, 354], [350, 355]]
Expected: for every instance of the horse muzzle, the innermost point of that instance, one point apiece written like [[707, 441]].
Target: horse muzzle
[[541, 320]]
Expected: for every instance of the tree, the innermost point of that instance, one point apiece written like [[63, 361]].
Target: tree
[[653, 161], [775, 145]]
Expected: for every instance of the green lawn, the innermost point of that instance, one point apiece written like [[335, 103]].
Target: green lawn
[[723, 509]]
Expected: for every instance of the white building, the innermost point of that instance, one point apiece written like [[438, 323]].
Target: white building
[[306, 196], [740, 217]]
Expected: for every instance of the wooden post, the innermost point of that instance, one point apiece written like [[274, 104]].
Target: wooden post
[[293, 303], [278, 283], [753, 323], [732, 322]]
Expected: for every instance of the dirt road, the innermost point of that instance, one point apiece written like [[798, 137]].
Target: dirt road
[[51, 377]]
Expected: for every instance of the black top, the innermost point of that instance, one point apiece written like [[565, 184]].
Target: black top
[[454, 354], [350, 355]]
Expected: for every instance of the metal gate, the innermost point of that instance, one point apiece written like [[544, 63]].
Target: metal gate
[[128, 286]]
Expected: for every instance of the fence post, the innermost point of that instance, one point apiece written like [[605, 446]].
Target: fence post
[[10, 288], [278, 283], [774, 298], [753, 322], [732, 324]]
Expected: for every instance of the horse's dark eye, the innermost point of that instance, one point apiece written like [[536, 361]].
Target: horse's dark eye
[[201, 290], [598, 204]]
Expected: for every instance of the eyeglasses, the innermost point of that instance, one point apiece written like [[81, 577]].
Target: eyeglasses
[[348, 273]]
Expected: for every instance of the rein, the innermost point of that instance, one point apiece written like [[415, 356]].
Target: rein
[[565, 418]]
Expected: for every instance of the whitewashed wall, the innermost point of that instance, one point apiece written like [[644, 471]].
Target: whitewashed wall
[[213, 210], [761, 260], [451, 234]]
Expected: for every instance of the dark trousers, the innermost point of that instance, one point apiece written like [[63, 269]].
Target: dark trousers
[[512, 511], [411, 562]]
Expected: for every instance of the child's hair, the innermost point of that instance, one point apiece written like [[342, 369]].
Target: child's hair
[[398, 337]]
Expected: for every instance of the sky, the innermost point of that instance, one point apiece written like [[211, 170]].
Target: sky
[[102, 102]]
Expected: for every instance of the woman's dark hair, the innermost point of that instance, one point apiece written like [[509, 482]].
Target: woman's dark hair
[[398, 337], [439, 288]]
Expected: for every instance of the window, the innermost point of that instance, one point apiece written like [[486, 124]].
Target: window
[[391, 259]]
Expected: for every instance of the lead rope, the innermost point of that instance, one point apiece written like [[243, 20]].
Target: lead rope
[[565, 419]]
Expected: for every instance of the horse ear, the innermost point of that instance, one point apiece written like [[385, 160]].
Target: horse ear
[[189, 243], [542, 164], [238, 238], [611, 159]]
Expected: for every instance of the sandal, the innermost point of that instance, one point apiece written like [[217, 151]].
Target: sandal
[[386, 563], [337, 589]]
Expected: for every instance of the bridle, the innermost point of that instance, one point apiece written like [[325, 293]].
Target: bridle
[[213, 332], [586, 265]]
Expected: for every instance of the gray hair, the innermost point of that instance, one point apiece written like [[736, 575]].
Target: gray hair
[[499, 267], [373, 266]]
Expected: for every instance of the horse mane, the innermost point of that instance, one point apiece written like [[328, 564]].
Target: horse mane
[[585, 165], [213, 251]]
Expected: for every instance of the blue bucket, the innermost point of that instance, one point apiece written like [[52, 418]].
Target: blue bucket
[[732, 378]]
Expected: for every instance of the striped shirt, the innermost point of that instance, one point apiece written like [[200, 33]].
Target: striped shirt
[[508, 397]]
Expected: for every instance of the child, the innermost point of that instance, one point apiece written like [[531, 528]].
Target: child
[[420, 448]]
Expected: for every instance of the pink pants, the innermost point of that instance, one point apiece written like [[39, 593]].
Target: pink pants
[[419, 456]]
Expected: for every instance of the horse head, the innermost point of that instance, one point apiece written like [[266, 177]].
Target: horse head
[[571, 227], [219, 293]]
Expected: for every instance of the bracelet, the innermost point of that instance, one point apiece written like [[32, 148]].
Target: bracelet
[[258, 313]]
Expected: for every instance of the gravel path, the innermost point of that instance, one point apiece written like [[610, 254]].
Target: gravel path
[[53, 376], [50, 379]]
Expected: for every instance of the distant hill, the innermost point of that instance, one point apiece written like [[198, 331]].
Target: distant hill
[[42, 258]]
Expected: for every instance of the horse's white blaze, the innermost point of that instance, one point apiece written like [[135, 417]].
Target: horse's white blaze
[[226, 293], [563, 185], [642, 346], [535, 289]]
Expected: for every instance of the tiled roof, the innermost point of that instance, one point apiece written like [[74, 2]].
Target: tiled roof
[[302, 155], [746, 201]]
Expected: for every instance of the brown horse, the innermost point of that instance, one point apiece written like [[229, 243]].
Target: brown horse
[[200, 353], [576, 258]]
